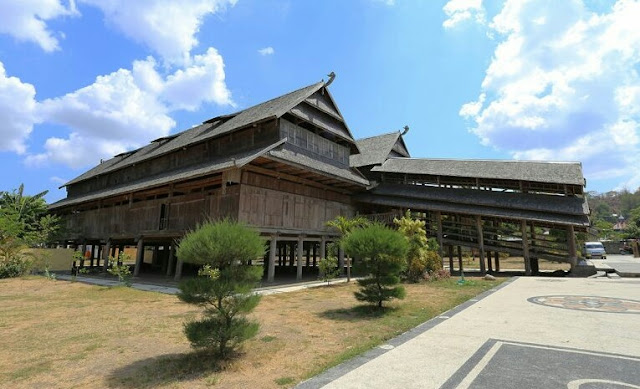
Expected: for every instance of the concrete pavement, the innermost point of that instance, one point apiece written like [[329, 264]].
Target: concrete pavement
[[623, 265], [533, 332], [265, 291]]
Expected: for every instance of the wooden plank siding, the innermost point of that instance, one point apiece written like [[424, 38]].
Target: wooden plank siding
[[182, 213], [273, 203]]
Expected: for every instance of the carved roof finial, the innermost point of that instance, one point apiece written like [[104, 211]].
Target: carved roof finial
[[332, 77], [406, 129]]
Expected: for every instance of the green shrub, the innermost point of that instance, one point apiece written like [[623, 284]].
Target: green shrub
[[223, 287], [381, 252], [328, 268], [15, 267], [118, 268]]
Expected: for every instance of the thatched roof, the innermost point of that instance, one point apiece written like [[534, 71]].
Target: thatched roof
[[191, 172], [535, 171], [211, 128]]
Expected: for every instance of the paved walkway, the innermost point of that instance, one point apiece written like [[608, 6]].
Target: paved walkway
[[623, 265], [267, 290], [532, 332]]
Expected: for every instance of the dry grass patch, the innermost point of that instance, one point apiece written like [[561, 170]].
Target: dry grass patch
[[62, 334], [509, 263]]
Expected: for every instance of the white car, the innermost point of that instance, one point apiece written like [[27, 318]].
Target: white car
[[592, 250]]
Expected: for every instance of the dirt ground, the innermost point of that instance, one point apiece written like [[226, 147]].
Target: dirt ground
[[71, 335]]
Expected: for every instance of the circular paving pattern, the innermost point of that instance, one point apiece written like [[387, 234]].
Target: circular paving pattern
[[589, 303]]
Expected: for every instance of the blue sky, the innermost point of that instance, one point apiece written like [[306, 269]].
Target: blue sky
[[84, 80]]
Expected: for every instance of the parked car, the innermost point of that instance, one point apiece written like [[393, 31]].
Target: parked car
[[593, 250]]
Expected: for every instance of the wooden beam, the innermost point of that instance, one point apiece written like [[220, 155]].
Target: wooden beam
[[525, 247], [139, 257], [571, 242], [271, 270], [299, 259], [480, 244]]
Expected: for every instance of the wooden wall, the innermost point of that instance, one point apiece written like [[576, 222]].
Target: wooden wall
[[272, 203], [182, 213]]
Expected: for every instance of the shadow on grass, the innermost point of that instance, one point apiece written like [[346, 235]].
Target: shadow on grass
[[357, 313], [166, 369]]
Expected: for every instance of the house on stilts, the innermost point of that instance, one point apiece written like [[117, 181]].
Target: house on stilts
[[290, 164]]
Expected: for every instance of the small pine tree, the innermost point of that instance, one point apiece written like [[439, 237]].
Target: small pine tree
[[382, 252], [224, 285]]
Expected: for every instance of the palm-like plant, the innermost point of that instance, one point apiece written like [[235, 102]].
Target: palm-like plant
[[345, 226]]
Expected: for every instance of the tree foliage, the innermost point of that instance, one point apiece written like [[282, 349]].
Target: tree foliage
[[224, 286], [422, 255], [382, 257]]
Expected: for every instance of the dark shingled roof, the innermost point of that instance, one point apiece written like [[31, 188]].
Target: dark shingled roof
[[549, 172], [523, 201], [471, 209], [374, 150], [273, 108], [344, 174], [190, 172]]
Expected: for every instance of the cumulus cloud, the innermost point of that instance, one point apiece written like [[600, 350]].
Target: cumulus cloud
[[27, 20], [564, 84], [266, 51], [127, 108], [17, 110], [458, 11], [167, 27]]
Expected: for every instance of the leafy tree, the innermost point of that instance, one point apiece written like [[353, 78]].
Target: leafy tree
[[633, 224], [328, 267], [37, 226], [422, 256], [382, 256], [224, 287], [344, 226]]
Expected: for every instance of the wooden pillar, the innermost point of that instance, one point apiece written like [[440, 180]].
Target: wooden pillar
[[496, 258], [308, 255], [178, 274], [83, 250], [323, 247], [292, 253], [139, 257], [105, 255], [99, 255], [154, 256], [341, 260], [450, 259], [489, 265], [93, 254], [480, 244], [315, 252], [525, 247], [439, 233], [460, 265], [170, 260], [300, 255], [280, 255], [533, 259], [573, 251], [271, 270]]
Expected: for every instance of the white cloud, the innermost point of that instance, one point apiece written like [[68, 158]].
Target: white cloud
[[17, 104], [266, 51], [26, 20], [128, 108], [458, 11], [564, 84], [58, 180], [167, 27]]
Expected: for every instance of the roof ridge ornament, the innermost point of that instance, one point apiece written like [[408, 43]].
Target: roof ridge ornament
[[332, 77], [406, 129]]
